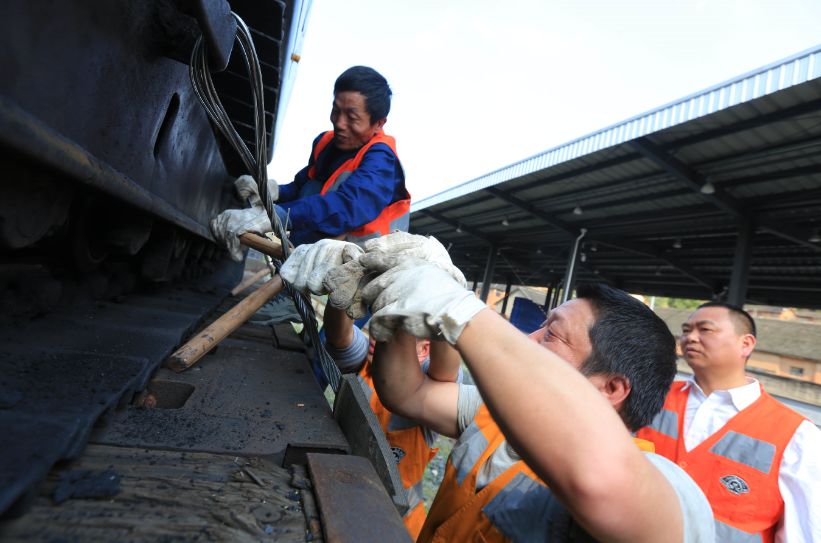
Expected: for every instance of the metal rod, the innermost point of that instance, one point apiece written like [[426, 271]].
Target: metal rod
[[571, 266]]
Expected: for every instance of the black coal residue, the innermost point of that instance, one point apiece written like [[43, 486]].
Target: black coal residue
[[84, 483]]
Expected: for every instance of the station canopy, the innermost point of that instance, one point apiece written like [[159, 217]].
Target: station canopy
[[717, 192]]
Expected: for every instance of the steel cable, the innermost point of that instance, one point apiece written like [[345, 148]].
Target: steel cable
[[256, 165]]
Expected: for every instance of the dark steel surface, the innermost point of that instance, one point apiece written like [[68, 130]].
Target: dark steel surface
[[94, 74], [218, 30], [246, 398], [49, 402], [111, 172], [62, 371], [89, 80], [353, 504]]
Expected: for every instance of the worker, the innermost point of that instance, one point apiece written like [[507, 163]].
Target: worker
[[352, 351], [412, 444], [353, 187], [758, 461], [559, 422]]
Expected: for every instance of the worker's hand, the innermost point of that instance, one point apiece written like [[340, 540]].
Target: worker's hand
[[232, 223], [248, 191], [345, 283], [420, 298], [305, 269], [389, 251]]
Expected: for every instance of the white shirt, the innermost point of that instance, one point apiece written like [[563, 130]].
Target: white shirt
[[799, 476]]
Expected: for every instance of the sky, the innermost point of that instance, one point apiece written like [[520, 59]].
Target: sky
[[479, 84]]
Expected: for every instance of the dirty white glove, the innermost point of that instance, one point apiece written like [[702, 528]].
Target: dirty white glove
[[422, 299], [344, 283], [232, 223], [248, 191], [307, 265], [385, 252]]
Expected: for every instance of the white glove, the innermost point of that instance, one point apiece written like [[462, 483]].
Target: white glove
[[248, 191], [307, 265], [422, 299], [232, 223], [389, 251], [381, 254]]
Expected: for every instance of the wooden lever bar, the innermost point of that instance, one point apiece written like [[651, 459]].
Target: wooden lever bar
[[190, 353], [261, 244], [248, 281]]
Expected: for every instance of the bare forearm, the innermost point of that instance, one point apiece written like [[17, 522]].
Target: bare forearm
[[338, 327], [444, 361], [405, 390], [568, 434], [397, 375]]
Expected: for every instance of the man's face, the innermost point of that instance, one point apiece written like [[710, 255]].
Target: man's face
[[709, 339], [566, 332], [353, 127]]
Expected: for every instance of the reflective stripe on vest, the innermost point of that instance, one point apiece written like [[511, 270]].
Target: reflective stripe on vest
[[727, 534], [737, 466], [411, 451], [746, 450], [395, 216], [666, 422], [526, 510], [514, 506], [415, 495], [472, 443]]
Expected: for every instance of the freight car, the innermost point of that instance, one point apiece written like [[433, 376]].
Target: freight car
[[111, 170]]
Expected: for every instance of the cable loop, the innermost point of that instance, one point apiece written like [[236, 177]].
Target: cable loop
[[256, 165]]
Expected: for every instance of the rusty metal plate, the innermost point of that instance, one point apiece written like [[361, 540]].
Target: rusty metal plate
[[354, 415], [353, 504]]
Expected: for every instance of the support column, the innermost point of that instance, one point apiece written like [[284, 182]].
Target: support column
[[507, 294], [555, 301], [737, 291], [547, 298], [489, 269], [570, 274]]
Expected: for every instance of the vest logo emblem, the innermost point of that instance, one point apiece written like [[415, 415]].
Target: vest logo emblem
[[398, 454], [735, 484]]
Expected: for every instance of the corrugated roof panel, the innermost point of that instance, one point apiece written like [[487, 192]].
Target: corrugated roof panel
[[776, 76]]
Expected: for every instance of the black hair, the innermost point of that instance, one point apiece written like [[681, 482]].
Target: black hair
[[630, 340], [743, 321], [371, 85]]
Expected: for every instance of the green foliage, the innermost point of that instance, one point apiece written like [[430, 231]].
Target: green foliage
[[678, 303]]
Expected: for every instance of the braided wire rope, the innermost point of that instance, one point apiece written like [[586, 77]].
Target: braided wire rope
[[256, 165]]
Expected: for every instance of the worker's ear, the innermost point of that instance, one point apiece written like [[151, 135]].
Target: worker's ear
[[748, 342], [422, 349], [380, 123], [615, 388]]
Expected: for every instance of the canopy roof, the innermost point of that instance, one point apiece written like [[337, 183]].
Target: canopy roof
[[670, 199]]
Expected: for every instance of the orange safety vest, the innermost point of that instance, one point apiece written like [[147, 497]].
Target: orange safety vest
[[514, 506], [410, 451], [736, 467], [395, 216]]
